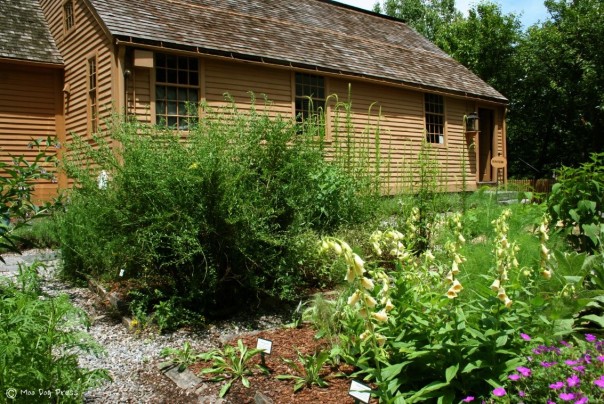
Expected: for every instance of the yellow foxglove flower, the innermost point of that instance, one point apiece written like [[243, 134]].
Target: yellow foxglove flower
[[370, 301], [449, 277], [354, 298], [358, 265], [376, 248], [385, 285], [461, 239], [458, 259], [501, 295], [515, 263], [367, 283], [544, 251], [350, 275], [454, 268], [381, 340], [389, 306], [451, 294], [456, 286], [345, 247], [495, 285], [365, 335], [324, 245], [337, 248], [380, 316], [507, 302], [546, 273], [363, 313]]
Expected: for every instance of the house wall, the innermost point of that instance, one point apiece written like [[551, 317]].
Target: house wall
[[85, 40], [30, 105], [398, 112]]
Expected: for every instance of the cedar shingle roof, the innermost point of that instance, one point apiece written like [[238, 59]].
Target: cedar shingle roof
[[24, 34], [317, 34]]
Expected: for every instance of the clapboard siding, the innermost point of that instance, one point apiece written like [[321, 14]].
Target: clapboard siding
[[76, 47], [28, 110], [139, 95], [239, 80]]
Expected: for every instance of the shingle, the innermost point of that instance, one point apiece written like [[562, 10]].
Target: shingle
[[24, 34], [316, 33]]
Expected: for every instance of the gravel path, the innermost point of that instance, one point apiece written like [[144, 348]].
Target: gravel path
[[132, 358]]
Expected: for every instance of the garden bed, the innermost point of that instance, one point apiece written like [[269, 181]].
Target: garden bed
[[285, 343]]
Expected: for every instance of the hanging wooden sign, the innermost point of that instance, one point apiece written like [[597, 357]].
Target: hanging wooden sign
[[499, 162]]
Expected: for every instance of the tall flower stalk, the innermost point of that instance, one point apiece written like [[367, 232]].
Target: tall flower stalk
[[505, 257]]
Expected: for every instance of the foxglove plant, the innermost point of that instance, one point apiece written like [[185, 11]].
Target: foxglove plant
[[505, 257]]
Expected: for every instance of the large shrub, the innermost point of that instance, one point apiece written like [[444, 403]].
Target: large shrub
[[227, 211], [577, 202]]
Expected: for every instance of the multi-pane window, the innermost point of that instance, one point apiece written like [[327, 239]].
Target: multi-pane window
[[176, 90], [92, 94], [310, 95], [435, 118], [68, 16]]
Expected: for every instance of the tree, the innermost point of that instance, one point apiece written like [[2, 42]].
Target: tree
[[557, 109], [425, 16]]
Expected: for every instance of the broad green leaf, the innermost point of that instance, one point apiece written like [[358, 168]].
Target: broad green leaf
[[451, 372], [393, 370], [595, 318], [225, 388]]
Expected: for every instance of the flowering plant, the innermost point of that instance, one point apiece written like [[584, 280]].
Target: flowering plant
[[566, 372]]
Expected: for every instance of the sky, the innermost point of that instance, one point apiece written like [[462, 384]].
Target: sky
[[532, 10]]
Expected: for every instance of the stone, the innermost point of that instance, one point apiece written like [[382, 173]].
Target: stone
[[185, 380], [261, 398]]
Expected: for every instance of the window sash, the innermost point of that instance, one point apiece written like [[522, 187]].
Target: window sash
[[309, 95], [176, 90], [434, 107]]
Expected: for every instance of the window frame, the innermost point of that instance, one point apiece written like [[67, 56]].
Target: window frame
[[435, 117], [171, 83], [318, 102], [92, 86], [69, 19]]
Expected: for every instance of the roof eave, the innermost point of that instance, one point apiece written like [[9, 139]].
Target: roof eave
[[30, 62]]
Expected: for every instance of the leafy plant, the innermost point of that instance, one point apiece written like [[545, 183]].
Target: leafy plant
[[220, 213], [552, 373], [230, 364], [577, 201], [184, 357], [310, 370], [17, 207], [40, 341]]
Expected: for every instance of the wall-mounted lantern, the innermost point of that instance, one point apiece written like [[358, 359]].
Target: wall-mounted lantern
[[471, 127], [472, 122]]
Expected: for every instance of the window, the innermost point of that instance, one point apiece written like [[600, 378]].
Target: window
[[310, 95], [435, 118], [93, 116], [68, 15], [176, 90]]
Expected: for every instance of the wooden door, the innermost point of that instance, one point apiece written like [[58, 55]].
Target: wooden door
[[485, 145]]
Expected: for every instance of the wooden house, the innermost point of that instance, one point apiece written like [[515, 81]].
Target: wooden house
[[148, 58]]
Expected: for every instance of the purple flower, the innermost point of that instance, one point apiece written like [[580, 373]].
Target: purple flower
[[521, 393], [556, 386], [499, 392], [579, 368], [525, 337], [566, 396], [548, 364], [514, 377], [564, 343], [573, 381], [468, 399], [571, 362], [582, 400], [526, 372], [599, 382], [590, 337], [587, 358]]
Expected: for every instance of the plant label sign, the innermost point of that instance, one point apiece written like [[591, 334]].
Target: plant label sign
[[265, 345], [360, 392]]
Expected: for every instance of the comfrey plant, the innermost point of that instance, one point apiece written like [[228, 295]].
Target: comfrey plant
[[565, 372]]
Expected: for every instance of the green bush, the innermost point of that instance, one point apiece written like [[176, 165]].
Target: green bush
[[40, 339], [577, 202], [229, 211]]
